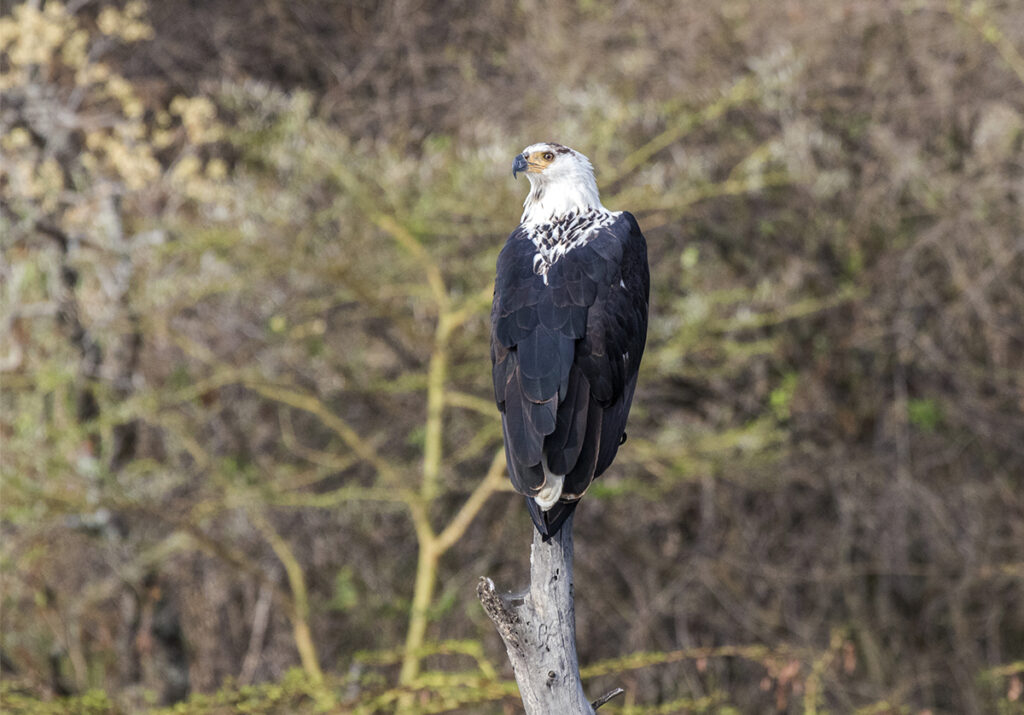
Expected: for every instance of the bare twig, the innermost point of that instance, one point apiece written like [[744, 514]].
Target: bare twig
[[300, 600], [464, 517], [606, 697], [260, 619]]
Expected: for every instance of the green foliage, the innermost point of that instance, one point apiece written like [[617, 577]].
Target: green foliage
[[924, 414], [294, 693], [93, 702], [782, 396], [346, 594]]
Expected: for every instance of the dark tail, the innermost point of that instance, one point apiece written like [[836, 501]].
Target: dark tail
[[549, 522]]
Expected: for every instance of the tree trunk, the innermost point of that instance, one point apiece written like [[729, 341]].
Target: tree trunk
[[539, 629]]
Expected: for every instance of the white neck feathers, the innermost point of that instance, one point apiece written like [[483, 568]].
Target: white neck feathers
[[571, 188]]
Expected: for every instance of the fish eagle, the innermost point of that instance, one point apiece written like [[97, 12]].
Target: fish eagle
[[568, 327]]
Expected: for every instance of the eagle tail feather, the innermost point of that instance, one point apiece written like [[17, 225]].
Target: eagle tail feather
[[549, 522]]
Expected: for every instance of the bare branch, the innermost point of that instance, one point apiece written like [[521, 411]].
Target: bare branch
[[740, 92], [407, 240], [312, 404], [300, 599], [606, 697], [470, 402], [464, 517]]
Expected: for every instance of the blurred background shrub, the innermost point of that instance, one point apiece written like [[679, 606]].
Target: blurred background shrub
[[250, 458]]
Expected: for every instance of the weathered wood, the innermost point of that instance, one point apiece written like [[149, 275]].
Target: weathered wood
[[538, 627]]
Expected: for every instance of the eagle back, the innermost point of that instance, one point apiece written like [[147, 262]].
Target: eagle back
[[554, 239]]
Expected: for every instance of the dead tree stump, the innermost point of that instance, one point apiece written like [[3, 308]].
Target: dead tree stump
[[538, 627]]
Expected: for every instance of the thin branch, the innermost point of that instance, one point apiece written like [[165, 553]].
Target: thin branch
[[407, 240], [342, 495], [431, 549], [260, 619], [606, 697], [437, 376], [742, 90], [315, 456], [484, 438], [429, 553], [423, 595], [464, 517], [677, 204], [636, 661], [221, 378], [300, 597], [977, 16], [470, 402], [312, 404], [473, 305]]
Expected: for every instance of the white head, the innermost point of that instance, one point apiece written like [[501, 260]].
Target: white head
[[561, 180]]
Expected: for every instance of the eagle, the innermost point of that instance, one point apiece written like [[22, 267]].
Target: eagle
[[568, 328]]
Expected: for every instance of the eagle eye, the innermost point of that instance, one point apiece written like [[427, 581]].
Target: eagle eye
[[548, 156]]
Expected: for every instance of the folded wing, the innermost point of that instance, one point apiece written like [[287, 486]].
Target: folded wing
[[565, 356]]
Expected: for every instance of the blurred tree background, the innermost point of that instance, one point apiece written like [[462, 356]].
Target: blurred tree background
[[250, 457]]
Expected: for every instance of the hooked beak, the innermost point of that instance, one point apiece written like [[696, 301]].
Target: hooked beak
[[518, 165]]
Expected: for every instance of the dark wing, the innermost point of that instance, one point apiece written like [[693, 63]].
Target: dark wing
[[565, 356], [610, 354]]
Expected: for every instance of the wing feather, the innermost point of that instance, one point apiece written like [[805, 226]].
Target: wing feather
[[565, 356], [564, 444]]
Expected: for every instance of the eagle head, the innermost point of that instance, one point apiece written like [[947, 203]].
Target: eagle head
[[561, 181]]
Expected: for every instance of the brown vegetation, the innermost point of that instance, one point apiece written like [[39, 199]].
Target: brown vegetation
[[246, 413]]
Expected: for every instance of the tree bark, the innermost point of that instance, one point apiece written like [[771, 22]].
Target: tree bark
[[539, 629]]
